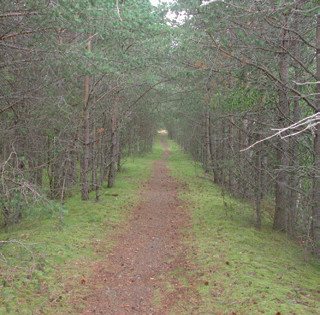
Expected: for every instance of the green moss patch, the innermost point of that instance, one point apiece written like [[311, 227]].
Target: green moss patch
[[43, 276], [241, 270]]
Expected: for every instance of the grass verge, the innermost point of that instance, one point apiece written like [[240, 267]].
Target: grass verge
[[241, 270], [47, 263]]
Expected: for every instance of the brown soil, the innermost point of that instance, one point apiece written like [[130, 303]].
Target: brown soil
[[137, 277]]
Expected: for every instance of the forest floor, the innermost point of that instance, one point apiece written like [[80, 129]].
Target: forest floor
[[131, 278]]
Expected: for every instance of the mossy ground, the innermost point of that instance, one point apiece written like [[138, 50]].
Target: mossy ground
[[241, 270], [63, 249]]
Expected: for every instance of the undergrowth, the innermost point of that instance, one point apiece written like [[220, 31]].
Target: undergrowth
[[241, 270], [45, 262]]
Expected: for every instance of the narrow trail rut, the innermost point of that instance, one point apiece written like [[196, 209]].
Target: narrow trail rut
[[136, 274]]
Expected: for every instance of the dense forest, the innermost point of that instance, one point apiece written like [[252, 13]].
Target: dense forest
[[87, 84], [251, 116]]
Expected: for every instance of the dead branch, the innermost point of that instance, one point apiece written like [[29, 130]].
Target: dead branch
[[25, 246], [307, 123]]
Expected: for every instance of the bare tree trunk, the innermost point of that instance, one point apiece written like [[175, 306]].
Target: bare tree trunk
[[207, 155], [114, 146], [212, 150], [316, 177], [293, 149], [231, 152], [94, 155], [222, 154], [280, 217], [119, 153], [100, 166], [239, 161], [86, 137], [217, 160], [244, 140], [258, 186]]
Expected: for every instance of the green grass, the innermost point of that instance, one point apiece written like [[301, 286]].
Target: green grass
[[63, 252], [237, 268], [241, 269]]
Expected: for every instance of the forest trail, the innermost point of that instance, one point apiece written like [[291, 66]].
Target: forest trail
[[134, 278]]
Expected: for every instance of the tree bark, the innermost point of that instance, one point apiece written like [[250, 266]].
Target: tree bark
[[212, 150], [119, 153], [207, 155], [94, 164], [293, 150], [86, 136], [316, 177], [280, 217], [258, 186], [231, 152], [114, 146]]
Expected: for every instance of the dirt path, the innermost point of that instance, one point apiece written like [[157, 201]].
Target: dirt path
[[129, 281]]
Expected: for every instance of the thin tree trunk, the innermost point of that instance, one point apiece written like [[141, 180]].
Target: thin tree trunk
[[114, 146], [94, 154], [119, 153], [222, 156], [245, 140], [231, 151], [316, 177], [280, 217], [294, 181], [212, 149], [86, 137], [217, 172], [258, 187], [206, 153], [100, 166]]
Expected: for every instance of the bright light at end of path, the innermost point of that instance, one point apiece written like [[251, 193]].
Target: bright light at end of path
[[177, 17], [157, 2], [162, 132]]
